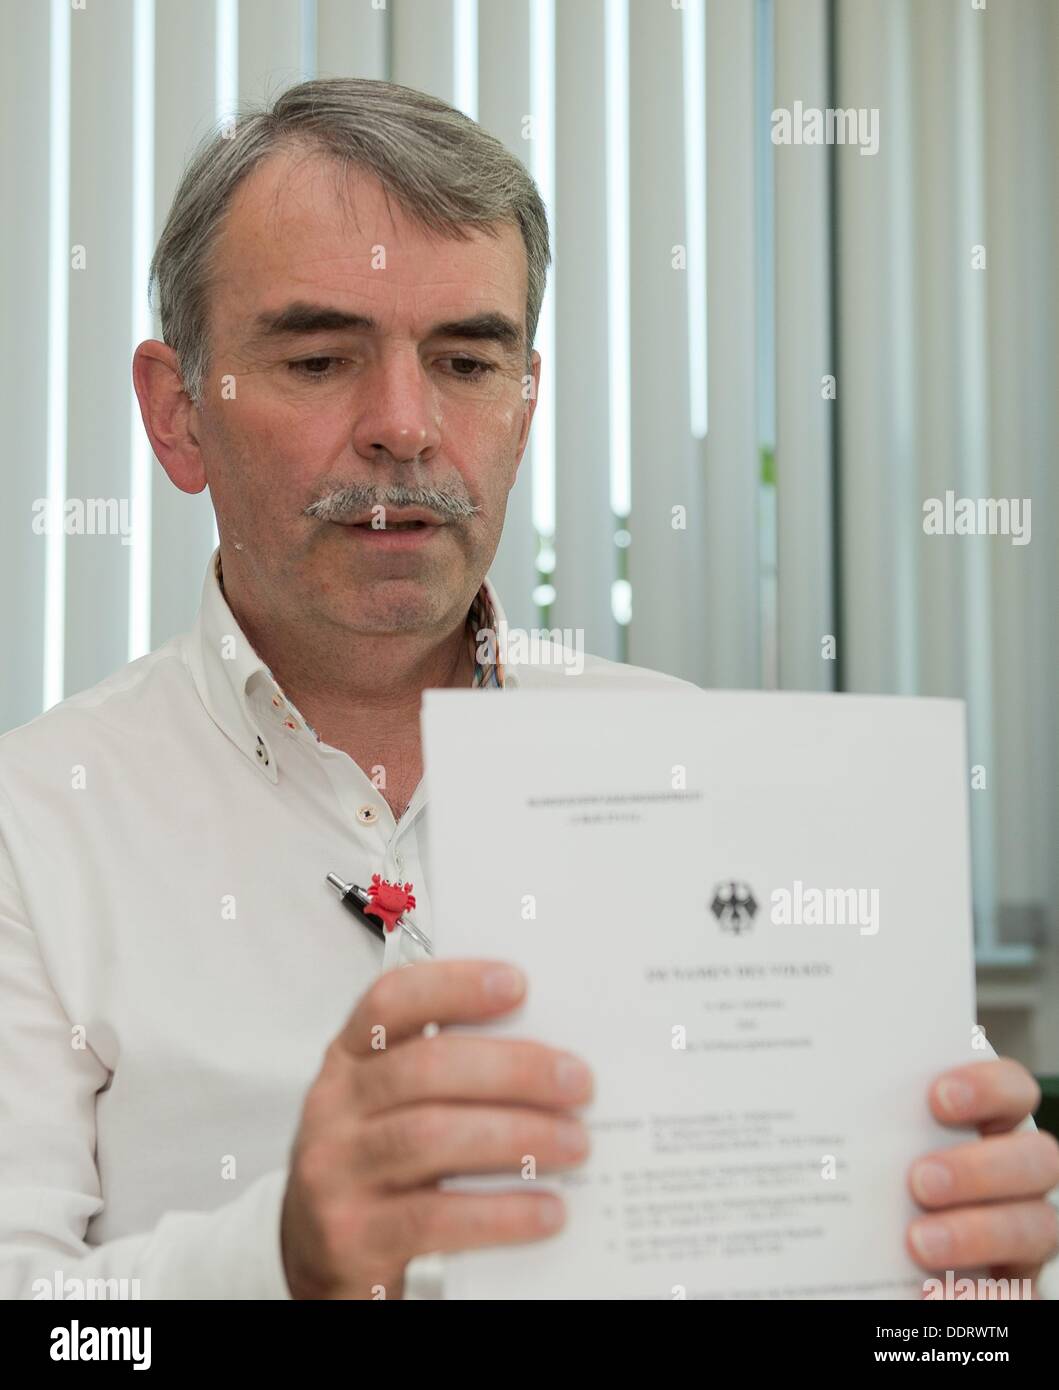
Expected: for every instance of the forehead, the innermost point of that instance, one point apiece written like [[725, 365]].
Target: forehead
[[302, 227]]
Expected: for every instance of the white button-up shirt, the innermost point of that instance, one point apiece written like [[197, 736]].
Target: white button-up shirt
[[173, 963]]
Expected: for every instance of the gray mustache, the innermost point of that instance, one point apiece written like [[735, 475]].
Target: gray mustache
[[357, 498]]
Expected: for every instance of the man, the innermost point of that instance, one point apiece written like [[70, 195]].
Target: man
[[349, 290]]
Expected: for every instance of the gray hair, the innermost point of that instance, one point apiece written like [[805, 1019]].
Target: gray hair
[[441, 167]]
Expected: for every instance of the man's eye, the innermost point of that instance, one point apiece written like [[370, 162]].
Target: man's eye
[[315, 367], [470, 368], [321, 368]]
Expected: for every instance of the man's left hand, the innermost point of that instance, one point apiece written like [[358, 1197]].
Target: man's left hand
[[986, 1199]]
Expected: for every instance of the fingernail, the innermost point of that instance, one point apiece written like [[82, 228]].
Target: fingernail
[[572, 1138], [932, 1241], [550, 1213], [572, 1076], [955, 1097], [931, 1181], [503, 983]]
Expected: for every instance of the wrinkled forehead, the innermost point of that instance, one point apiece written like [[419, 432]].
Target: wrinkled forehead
[[303, 224]]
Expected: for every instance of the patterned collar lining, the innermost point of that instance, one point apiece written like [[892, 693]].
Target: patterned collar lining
[[488, 674]]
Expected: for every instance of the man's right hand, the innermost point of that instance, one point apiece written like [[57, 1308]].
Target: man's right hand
[[382, 1125]]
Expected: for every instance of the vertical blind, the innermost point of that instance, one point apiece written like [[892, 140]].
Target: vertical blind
[[690, 499]]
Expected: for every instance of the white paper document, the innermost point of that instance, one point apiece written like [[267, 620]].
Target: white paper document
[[751, 915]]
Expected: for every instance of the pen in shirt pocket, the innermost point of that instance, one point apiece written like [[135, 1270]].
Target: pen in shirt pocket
[[354, 899]]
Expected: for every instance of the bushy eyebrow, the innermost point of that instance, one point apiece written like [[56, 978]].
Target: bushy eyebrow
[[300, 318]]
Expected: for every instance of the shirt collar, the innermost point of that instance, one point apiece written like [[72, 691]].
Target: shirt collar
[[227, 670]]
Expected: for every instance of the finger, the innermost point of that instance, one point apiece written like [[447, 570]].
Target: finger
[[402, 1002], [1007, 1233], [427, 1221], [457, 1067], [999, 1168], [995, 1095], [422, 1143]]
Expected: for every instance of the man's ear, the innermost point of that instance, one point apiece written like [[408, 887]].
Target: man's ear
[[170, 419], [531, 382]]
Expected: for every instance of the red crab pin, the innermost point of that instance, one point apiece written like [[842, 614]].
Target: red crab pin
[[388, 900]]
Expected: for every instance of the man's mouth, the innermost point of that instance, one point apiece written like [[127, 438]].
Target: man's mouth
[[394, 531], [406, 520]]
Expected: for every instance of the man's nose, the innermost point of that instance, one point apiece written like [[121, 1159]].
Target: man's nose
[[398, 410]]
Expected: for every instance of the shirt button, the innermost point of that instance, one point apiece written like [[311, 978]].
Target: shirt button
[[290, 724], [277, 702], [367, 815]]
